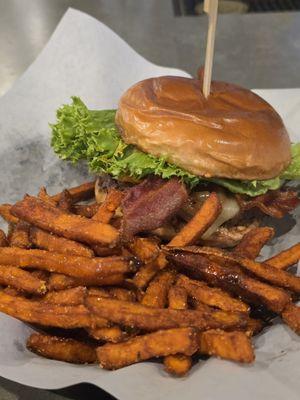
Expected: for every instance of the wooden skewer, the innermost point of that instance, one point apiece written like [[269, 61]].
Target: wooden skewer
[[211, 8]]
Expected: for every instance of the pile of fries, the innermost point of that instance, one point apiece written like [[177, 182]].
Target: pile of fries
[[96, 298]]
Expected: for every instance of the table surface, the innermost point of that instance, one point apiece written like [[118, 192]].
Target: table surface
[[254, 50]]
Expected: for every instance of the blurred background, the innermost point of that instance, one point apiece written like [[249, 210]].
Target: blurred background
[[195, 7], [257, 43]]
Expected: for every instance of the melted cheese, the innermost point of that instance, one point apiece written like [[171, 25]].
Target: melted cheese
[[230, 209]]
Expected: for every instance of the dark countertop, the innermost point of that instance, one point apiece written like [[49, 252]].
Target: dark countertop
[[255, 50]]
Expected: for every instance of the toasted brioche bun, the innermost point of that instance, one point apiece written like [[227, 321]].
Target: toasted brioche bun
[[232, 134]]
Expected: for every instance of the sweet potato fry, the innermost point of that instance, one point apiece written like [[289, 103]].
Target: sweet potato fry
[[148, 271], [62, 349], [254, 327], [178, 298], [65, 201], [5, 213], [112, 334], [61, 281], [201, 221], [213, 297], [261, 270], [286, 258], [234, 346], [157, 292], [21, 280], [3, 239], [104, 251], [48, 241], [70, 226], [19, 236], [41, 313], [40, 274], [89, 269], [43, 195], [68, 297], [121, 294], [252, 243], [150, 319], [291, 316], [79, 193], [177, 364], [85, 210], [13, 292], [113, 293], [140, 348], [144, 249], [98, 292], [231, 279], [107, 209]]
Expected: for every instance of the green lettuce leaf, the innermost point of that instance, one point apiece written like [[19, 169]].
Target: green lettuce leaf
[[293, 170], [91, 135]]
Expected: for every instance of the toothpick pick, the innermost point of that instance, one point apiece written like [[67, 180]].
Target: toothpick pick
[[211, 8]]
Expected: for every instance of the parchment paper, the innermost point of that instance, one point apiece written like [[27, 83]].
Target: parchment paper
[[87, 59]]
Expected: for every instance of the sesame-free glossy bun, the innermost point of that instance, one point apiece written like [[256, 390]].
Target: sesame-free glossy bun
[[233, 134]]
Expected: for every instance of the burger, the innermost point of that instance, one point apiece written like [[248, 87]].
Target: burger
[[169, 147]]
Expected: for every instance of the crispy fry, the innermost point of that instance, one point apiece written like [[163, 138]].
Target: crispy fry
[[89, 269], [148, 271], [68, 297], [36, 312], [61, 281], [234, 346], [231, 279], [52, 219], [161, 343], [5, 213], [3, 239], [48, 241], [261, 270], [79, 193], [254, 327], [40, 274], [13, 292], [145, 249], [213, 297], [104, 251], [121, 294], [291, 316], [114, 293], [21, 280], [150, 319], [157, 292], [112, 334], [62, 349], [65, 201], [252, 243], [107, 209], [98, 292], [19, 236], [178, 298], [177, 364], [85, 210], [43, 195], [286, 258], [201, 221]]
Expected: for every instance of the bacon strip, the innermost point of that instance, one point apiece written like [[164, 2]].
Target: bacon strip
[[275, 203], [150, 204]]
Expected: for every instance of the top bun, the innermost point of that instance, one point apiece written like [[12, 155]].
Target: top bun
[[232, 134]]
